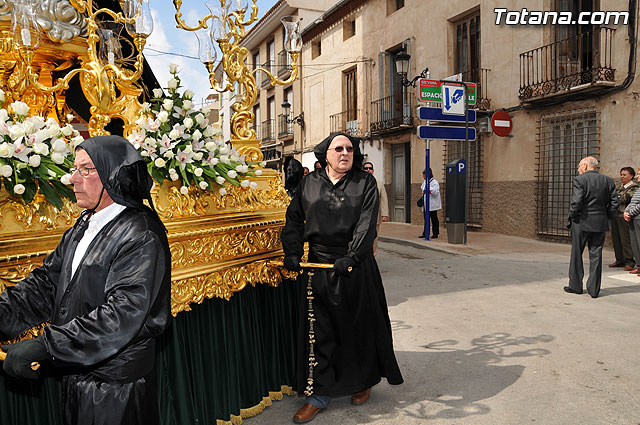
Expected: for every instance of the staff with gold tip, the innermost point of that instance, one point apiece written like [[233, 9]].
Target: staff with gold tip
[[349, 347]]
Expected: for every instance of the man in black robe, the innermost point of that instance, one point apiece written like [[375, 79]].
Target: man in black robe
[[105, 290], [348, 347]]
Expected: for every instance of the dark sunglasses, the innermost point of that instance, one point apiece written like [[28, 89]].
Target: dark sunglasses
[[367, 168], [339, 149]]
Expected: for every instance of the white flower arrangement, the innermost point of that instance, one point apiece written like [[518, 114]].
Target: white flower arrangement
[[35, 154], [179, 144]]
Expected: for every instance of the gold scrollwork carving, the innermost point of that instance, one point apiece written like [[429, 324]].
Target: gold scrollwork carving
[[10, 276], [221, 284], [39, 211], [223, 244]]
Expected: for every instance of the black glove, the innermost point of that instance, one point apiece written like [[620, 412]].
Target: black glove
[[20, 356], [569, 223], [292, 263], [341, 266]]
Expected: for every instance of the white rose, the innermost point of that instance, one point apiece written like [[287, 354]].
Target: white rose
[[258, 172], [188, 122], [198, 156], [4, 115], [76, 141], [245, 183], [210, 146], [232, 174], [253, 185], [198, 171], [263, 164], [146, 107], [167, 104], [214, 161], [234, 158], [6, 150], [224, 150], [157, 93], [173, 68], [200, 119], [57, 157], [239, 168], [220, 180], [18, 189], [66, 179], [196, 135], [159, 162], [59, 146], [184, 190], [174, 134], [188, 149], [173, 175], [41, 148], [6, 170], [34, 161], [204, 185], [21, 109], [144, 153], [172, 84], [208, 131], [187, 104], [224, 159], [67, 130], [188, 94], [223, 191], [163, 116]]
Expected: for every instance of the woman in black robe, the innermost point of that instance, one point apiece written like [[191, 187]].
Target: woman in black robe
[[335, 209]]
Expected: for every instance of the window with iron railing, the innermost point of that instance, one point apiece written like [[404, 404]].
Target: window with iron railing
[[269, 66], [285, 125], [563, 139], [268, 130], [393, 112], [479, 76], [581, 59], [343, 122], [284, 63]]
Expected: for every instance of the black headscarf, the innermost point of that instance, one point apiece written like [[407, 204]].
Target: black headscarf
[[321, 149], [293, 173], [122, 170]]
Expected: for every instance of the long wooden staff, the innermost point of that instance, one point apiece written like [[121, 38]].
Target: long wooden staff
[[34, 365]]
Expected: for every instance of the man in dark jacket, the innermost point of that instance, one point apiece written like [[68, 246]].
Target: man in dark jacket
[[594, 201], [105, 290]]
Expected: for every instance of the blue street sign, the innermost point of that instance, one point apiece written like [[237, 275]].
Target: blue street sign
[[435, 114], [445, 133]]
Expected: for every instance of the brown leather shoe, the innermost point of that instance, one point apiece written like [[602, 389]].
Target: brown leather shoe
[[628, 268], [616, 264], [361, 397], [306, 413]]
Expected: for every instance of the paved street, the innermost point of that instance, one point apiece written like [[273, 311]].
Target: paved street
[[491, 338]]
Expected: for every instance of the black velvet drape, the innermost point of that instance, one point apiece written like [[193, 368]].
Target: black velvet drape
[[213, 361]]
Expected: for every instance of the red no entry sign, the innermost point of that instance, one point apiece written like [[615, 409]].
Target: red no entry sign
[[501, 123]]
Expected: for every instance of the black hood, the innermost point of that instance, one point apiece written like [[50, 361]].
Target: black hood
[[293, 173], [321, 150], [122, 170]]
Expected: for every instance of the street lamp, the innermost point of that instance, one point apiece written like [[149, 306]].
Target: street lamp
[[402, 67], [286, 110]]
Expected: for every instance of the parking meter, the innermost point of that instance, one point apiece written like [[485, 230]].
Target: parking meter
[[455, 200]]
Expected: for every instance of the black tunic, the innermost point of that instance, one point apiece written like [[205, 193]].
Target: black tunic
[[104, 319], [354, 346]]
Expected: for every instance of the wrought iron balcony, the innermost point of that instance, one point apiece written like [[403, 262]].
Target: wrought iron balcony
[[271, 67], [258, 129], [268, 132], [583, 59], [393, 112], [347, 122], [479, 76], [284, 64], [285, 128]]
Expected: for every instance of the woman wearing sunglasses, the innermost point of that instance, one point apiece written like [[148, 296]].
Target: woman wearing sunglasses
[[348, 346]]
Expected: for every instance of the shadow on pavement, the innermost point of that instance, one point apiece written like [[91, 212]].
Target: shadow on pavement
[[618, 290]]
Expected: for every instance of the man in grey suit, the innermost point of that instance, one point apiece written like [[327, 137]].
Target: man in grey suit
[[594, 201]]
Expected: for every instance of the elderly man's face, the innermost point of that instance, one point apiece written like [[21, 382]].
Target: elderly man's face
[[625, 177], [582, 167], [87, 188], [340, 154]]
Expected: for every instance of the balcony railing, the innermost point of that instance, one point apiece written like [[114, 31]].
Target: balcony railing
[[346, 122], [258, 130], [268, 130], [393, 112], [284, 64], [285, 129], [583, 59], [269, 66], [479, 76]]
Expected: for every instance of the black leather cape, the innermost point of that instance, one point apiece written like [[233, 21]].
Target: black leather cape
[[104, 319], [354, 346]]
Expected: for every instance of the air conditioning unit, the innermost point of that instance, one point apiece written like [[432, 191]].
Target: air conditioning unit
[[484, 125]]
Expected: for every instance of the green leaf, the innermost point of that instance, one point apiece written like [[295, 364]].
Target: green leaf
[[158, 175], [50, 194], [63, 190], [30, 190]]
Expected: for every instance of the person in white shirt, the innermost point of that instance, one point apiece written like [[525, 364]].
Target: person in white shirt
[[435, 202]]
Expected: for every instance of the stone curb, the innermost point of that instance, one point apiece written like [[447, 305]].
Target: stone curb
[[421, 245]]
